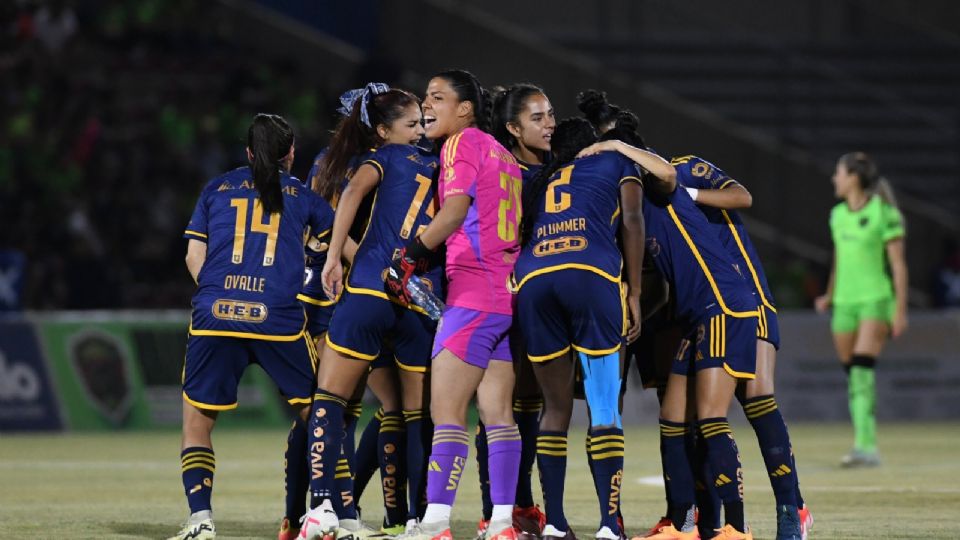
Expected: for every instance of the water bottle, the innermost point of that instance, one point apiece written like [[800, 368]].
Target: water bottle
[[424, 297]]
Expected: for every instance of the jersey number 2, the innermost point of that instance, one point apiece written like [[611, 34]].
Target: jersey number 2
[[509, 215], [554, 204], [269, 228]]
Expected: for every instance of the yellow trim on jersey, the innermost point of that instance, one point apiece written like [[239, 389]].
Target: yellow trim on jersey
[[522, 166], [567, 266], [725, 184], [246, 335], [195, 233], [628, 178], [548, 357], [615, 214], [349, 352], [718, 336], [312, 350], [679, 160], [739, 374], [597, 352], [322, 233], [408, 367], [706, 271], [384, 296], [208, 406], [762, 330], [743, 251], [378, 166], [322, 303], [300, 401]]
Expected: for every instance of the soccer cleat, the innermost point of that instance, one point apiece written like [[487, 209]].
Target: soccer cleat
[[806, 522], [198, 527], [286, 531], [552, 533], [354, 529], [663, 523], [320, 523], [859, 458], [729, 533], [669, 532], [482, 527], [426, 531], [788, 522], [530, 520], [606, 534], [504, 531], [393, 530]]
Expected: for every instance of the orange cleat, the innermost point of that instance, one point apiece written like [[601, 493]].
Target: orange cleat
[[664, 522], [729, 533], [806, 522], [669, 532]]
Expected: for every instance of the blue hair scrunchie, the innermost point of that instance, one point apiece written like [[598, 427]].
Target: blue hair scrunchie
[[349, 98]]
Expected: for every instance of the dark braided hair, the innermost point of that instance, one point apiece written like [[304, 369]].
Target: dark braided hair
[[269, 139], [571, 136], [625, 129], [596, 108]]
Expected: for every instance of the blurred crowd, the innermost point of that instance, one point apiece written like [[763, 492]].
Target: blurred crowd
[[115, 114]]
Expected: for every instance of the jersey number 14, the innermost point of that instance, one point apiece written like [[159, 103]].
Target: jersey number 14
[[270, 228]]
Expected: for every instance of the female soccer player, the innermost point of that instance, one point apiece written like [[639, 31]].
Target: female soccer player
[[718, 313], [245, 252], [477, 221], [866, 226], [569, 281], [523, 122], [389, 121], [718, 196]]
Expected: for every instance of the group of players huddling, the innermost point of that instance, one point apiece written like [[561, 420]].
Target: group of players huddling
[[544, 239]]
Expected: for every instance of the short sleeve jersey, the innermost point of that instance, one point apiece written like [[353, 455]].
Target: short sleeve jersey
[[698, 173], [578, 219], [859, 239], [482, 251], [687, 251], [254, 265], [402, 209]]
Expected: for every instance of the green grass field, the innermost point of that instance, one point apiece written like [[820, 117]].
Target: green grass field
[[127, 485]]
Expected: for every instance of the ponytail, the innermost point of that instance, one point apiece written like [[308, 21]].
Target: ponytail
[[570, 137], [269, 139], [363, 109], [863, 166]]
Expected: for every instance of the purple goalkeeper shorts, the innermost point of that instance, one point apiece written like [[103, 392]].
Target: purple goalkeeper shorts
[[476, 337]]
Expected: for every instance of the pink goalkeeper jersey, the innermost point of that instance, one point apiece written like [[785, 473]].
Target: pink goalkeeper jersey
[[481, 253]]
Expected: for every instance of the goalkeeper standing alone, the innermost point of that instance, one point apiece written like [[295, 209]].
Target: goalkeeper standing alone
[[867, 308]]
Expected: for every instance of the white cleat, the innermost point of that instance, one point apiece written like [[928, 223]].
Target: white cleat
[[199, 526], [320, 523], [606, 534]]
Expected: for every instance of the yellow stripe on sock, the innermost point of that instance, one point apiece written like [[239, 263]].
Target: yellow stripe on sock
[[551, 453], [598, 457], [605, 446], [595, 440], [198, 466]]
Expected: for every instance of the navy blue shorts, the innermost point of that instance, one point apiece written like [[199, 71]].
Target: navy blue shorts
[[362, 322], [318, 314], [719, 340], [571, 308], [653, 352], [768, 328], [214, 365]]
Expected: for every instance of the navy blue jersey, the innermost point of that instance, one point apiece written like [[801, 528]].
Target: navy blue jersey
[[578, 219], [701, 174], [685, 248], [402, 208], [528, 170], [312, 285], [254, 265]]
